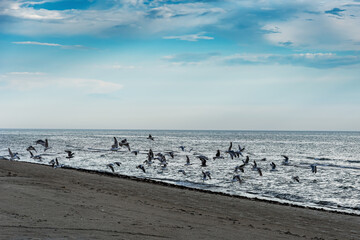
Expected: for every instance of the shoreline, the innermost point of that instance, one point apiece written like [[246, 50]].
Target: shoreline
[[43, 202], [149, 180]]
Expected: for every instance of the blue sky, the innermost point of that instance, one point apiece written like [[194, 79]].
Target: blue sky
[[137, 64]]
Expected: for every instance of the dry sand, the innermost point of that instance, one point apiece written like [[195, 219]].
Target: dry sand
[[39, 202]]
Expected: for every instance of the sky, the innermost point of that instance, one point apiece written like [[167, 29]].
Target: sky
[[180, 64]]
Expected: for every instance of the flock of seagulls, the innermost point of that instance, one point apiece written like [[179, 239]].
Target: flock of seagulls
[[162, 158]]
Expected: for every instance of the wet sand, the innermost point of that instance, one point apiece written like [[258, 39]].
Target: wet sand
[[39, 202]]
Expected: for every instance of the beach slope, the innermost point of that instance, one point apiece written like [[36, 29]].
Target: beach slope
[[37, 201]]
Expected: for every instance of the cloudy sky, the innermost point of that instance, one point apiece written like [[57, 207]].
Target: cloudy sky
[[180, 64]]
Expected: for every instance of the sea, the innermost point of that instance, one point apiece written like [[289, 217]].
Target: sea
[[334, 187]]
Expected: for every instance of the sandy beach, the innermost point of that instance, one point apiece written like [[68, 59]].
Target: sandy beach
[[39, 202]]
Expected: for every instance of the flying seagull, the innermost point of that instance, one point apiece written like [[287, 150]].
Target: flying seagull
[[38, 157], [273, 166], [111, 166], [31, 148], [125, 143], [13, 156], [54, 163], [241, 150], [229, 149], [182, 148], [70, 154], [218, 155], [136, 152], [286, 160], [203, 160], [237, 178], [296, 178], [141, 167], [187, 160], [115, 146], [206, 175], [241, 168]]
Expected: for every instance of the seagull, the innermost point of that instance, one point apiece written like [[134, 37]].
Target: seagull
[[203, 160], [41, 142], [70, 154], [35, 156], [296, 178], [254, 165], [206, 175], [54, 163], [273, 165], [247, 160], [259, 171], [13, 156], [313, 168], [182, 148], [125, 143], [115, 146], [241, 150], [141, 167], [187, 160], [150, 154], [241, 168], [111, 166], [237, 178], [218, 155], [232, 154], [171, 154], [136, 152], [286, 160], [31, 148], [229, 149], [150, 137], [163, 165], [148, 161], [46, 145]]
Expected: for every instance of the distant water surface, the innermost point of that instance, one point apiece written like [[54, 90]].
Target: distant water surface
[[336, 185]]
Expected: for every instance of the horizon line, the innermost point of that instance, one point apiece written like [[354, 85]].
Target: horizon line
[[139, 129]]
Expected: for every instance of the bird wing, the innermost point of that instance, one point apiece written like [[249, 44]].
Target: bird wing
[[230, 146], [10, 153]]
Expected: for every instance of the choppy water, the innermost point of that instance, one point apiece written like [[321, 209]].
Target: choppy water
[[336, 185]]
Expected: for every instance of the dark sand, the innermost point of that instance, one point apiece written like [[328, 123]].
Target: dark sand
[[39, 202]]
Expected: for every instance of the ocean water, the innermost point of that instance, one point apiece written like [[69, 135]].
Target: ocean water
[[335, 186]]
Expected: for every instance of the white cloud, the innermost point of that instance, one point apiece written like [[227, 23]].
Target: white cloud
[[20, 10], [297, 24], [319, 30], [26, 73], [91, 86], [39, 43], [307, 59], [129, 16], [313, 60], [26, 81], [190, 37], [51, 45]]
